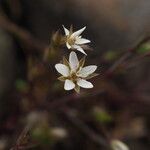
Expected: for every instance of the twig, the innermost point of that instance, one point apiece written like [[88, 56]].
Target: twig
[[142, 41], [118, 62], [126, 55], [21, 34], [96, 138], [22, 137], [73, 97]]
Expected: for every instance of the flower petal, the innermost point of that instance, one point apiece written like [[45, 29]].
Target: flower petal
[[118, 145], [73, 60], [85, 84], [68, 45], [82, 41], [66, 31], [62, 69], [79, 48], [69, 85], [86, 71], [77, 33]]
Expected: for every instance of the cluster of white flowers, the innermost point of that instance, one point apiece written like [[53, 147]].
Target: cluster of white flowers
[[72, 72]]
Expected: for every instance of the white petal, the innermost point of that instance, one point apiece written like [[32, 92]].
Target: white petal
[[77, 33], [73, 61], [85, 84], [66, 31], [79, 48], [62, 69], [118, 145], [69, 85], [68, 45], [86, 71], [82, 41]]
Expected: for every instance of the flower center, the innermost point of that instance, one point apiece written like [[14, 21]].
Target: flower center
[[73, 76], [71, 41]]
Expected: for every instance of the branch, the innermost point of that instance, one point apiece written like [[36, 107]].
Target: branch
[[21, 34], [21, 139], [73, 97], [96, 138]]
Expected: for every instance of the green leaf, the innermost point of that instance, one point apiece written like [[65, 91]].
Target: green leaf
[[144, 48], [41, 135], [111, 55], [102, 116], [21, 85]]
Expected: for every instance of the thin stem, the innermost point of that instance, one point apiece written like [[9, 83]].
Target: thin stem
[[22, 34], [96, 138]]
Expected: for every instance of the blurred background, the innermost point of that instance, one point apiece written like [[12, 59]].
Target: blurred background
[[35, 111]]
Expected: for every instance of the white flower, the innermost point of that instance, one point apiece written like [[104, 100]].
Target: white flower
[[74, 40], [58, 132], [74, 74], [118, 145]]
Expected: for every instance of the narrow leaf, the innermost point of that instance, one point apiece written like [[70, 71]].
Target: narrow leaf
[[91, 76], [62, 78]]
